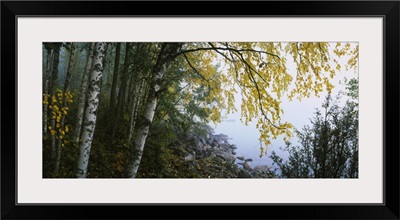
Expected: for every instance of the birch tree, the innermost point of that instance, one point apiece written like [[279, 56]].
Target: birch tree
[[142, 64], [137, 99], [163, 61], [89, 122], [186, 77], [82, 94], [259, 69]]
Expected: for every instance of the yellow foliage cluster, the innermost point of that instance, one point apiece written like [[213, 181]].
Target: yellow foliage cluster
[[46, 99], [260, 70], [207, 76], [58, 111]]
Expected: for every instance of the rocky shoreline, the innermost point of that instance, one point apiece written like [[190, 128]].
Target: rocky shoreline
[[206, 145]]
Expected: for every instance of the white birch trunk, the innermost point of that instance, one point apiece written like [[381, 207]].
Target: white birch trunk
[[155, 85], [135, 107], [143, 130], [89, 122], [82, 95]]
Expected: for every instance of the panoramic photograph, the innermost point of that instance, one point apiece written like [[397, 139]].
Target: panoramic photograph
[[200, 110]]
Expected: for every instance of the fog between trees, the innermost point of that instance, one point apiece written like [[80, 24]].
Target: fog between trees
[[130, 109]]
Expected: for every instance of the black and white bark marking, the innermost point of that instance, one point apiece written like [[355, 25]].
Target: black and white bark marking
[[83, 94], [164, 59], [89, 122]]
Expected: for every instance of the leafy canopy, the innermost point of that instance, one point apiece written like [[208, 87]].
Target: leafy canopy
[[259, 70]]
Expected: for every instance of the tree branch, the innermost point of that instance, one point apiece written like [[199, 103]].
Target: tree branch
[[227, 48], [260, 104], [194, 69], [212, 46]]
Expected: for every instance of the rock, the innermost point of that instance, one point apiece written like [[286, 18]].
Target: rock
[[190, 157], [203, 141], [240, 163], [225, 147], [214, 143], [244, 174], [247, 166], [196, 146], [212, 155], [249, 160], [240, 158], [262, 168], [226, 156], [199, 144], [222, 137], [263, 172], [207, 147]]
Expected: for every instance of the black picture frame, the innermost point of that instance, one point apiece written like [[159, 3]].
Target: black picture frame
[[11, 10]]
